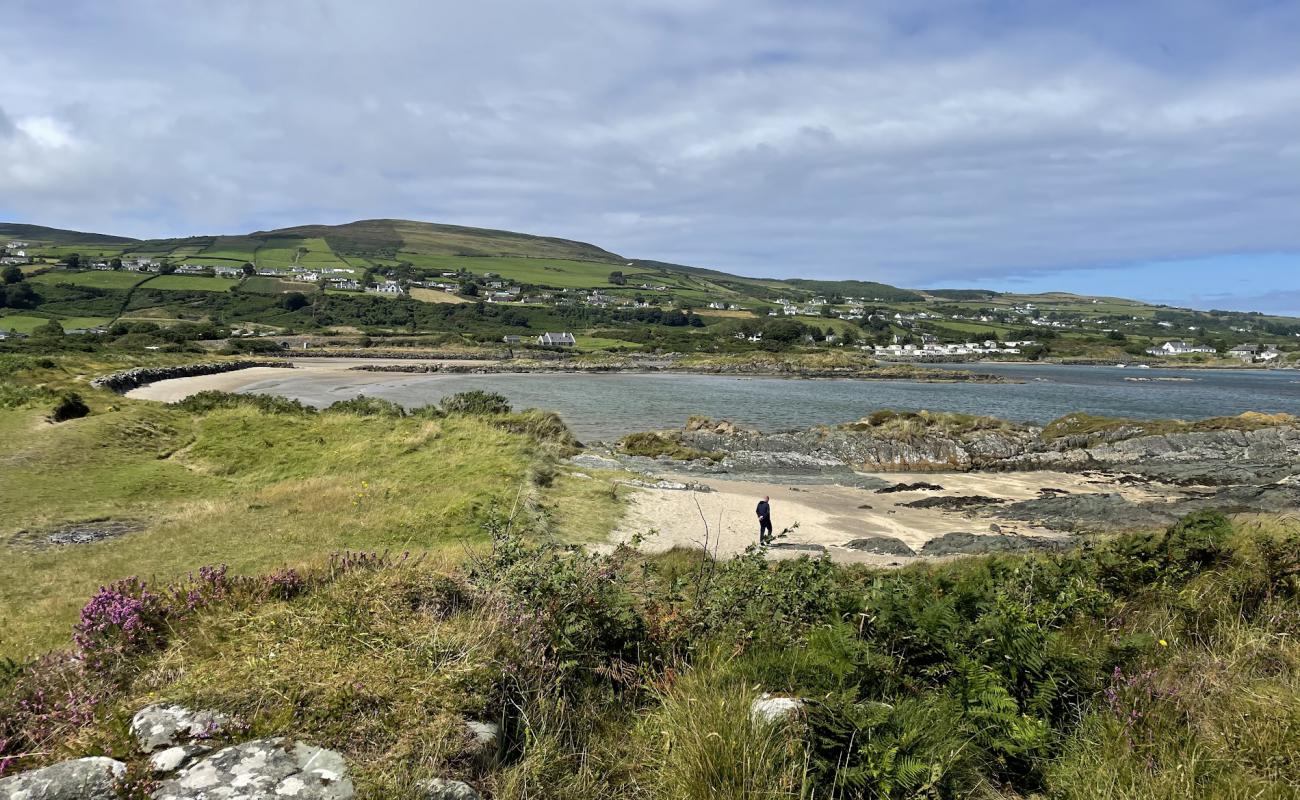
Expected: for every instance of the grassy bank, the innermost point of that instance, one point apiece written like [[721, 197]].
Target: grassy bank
[[1154, 666], [248, 483]]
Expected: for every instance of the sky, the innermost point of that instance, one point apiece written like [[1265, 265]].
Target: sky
[[1137, 148]]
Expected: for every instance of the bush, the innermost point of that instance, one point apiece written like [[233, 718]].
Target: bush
[[367, 407], [69, 406], [654, 445], [476, 401], [203, 402]]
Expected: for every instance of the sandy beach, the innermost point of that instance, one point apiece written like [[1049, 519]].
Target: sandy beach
[[832, 515], [176, 389]]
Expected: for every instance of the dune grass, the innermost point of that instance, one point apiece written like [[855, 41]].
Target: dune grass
[[238, 486]]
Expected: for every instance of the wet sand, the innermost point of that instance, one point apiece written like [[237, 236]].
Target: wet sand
[[830, 515]]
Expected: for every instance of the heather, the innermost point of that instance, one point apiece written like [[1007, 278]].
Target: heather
[[1154, 665]]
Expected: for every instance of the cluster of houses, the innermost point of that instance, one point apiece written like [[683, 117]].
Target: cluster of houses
[[15, 254], [1250, 353], [930, 349]]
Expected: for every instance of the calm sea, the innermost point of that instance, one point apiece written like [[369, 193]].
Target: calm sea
[[603, 407]]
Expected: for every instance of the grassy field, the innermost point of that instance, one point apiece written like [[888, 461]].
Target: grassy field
[[266, 285], [98, 279], [26, 323], [191, 283], [436, 296]]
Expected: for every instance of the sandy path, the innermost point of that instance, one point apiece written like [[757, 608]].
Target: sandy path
[[831, 515], [171, 391]]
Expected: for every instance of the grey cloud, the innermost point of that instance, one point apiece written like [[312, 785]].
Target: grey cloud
[[763, 137]]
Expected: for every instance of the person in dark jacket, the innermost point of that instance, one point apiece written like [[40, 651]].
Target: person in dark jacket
[[764, 511]]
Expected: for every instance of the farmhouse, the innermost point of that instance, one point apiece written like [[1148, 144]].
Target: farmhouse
[[1178, 347], [387, 287], [510, 339], [227, 272], [557, 339]]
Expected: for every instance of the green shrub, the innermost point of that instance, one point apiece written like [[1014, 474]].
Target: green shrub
[[203, 402], [367, 407], [69, 406], [475, 401], [654, 445]]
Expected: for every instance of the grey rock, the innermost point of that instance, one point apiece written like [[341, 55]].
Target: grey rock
[[263, 769], [771, 708], [955, 502], [173, 758], [158, 726], [125, 381], [806, 547], [79, 779], [962, 543], [447, 789], [881, 545]]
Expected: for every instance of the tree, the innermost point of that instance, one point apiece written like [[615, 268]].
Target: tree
[[116, 263], [469, 289], [167, 269], [293, 301], [248, 268], [12, 274], [616, 277], [1116, 336], [21, 295], [50, 330], [73, 261]]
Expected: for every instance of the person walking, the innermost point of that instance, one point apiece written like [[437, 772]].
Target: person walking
[[764, 511]]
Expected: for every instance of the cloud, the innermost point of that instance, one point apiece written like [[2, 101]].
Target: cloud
[[893, 142]]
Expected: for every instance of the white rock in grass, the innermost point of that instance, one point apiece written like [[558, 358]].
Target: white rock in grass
[[159, 726], [768, 708], [445, 789]]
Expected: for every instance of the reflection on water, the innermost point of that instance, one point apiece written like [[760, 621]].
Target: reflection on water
[[604, 407]]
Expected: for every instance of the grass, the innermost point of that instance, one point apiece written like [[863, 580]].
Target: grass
[[26, 323], [191, 283], [654, 445], [98, 279], [436, 296], [238, 486], [266, 285]]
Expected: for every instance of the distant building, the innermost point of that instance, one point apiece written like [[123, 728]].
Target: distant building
[[509, 339], [1177, 347], [387, 287], [227, 272], [557, 339]]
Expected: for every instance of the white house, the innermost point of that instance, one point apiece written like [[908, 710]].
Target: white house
[[227, 272], [509, 339], [387, 287], [1178, 347], [557, 339]]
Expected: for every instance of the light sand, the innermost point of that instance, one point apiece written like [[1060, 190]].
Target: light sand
[[830, 515], [171, 391]]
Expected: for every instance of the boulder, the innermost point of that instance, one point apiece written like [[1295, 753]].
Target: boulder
[[160, 726], [446, 789], [79, 779], [263, 769], [881, 545], [173, 758], [770, 708], [485, 738]]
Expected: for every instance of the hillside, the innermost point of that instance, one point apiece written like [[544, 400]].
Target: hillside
[[545, 283]]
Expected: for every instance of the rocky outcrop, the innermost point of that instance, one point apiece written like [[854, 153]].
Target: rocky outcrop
[[79, 779], [880, 545], [262, 768], [1264, 454], [162, 726], [840, 446], [963, 543], [125, 381]]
